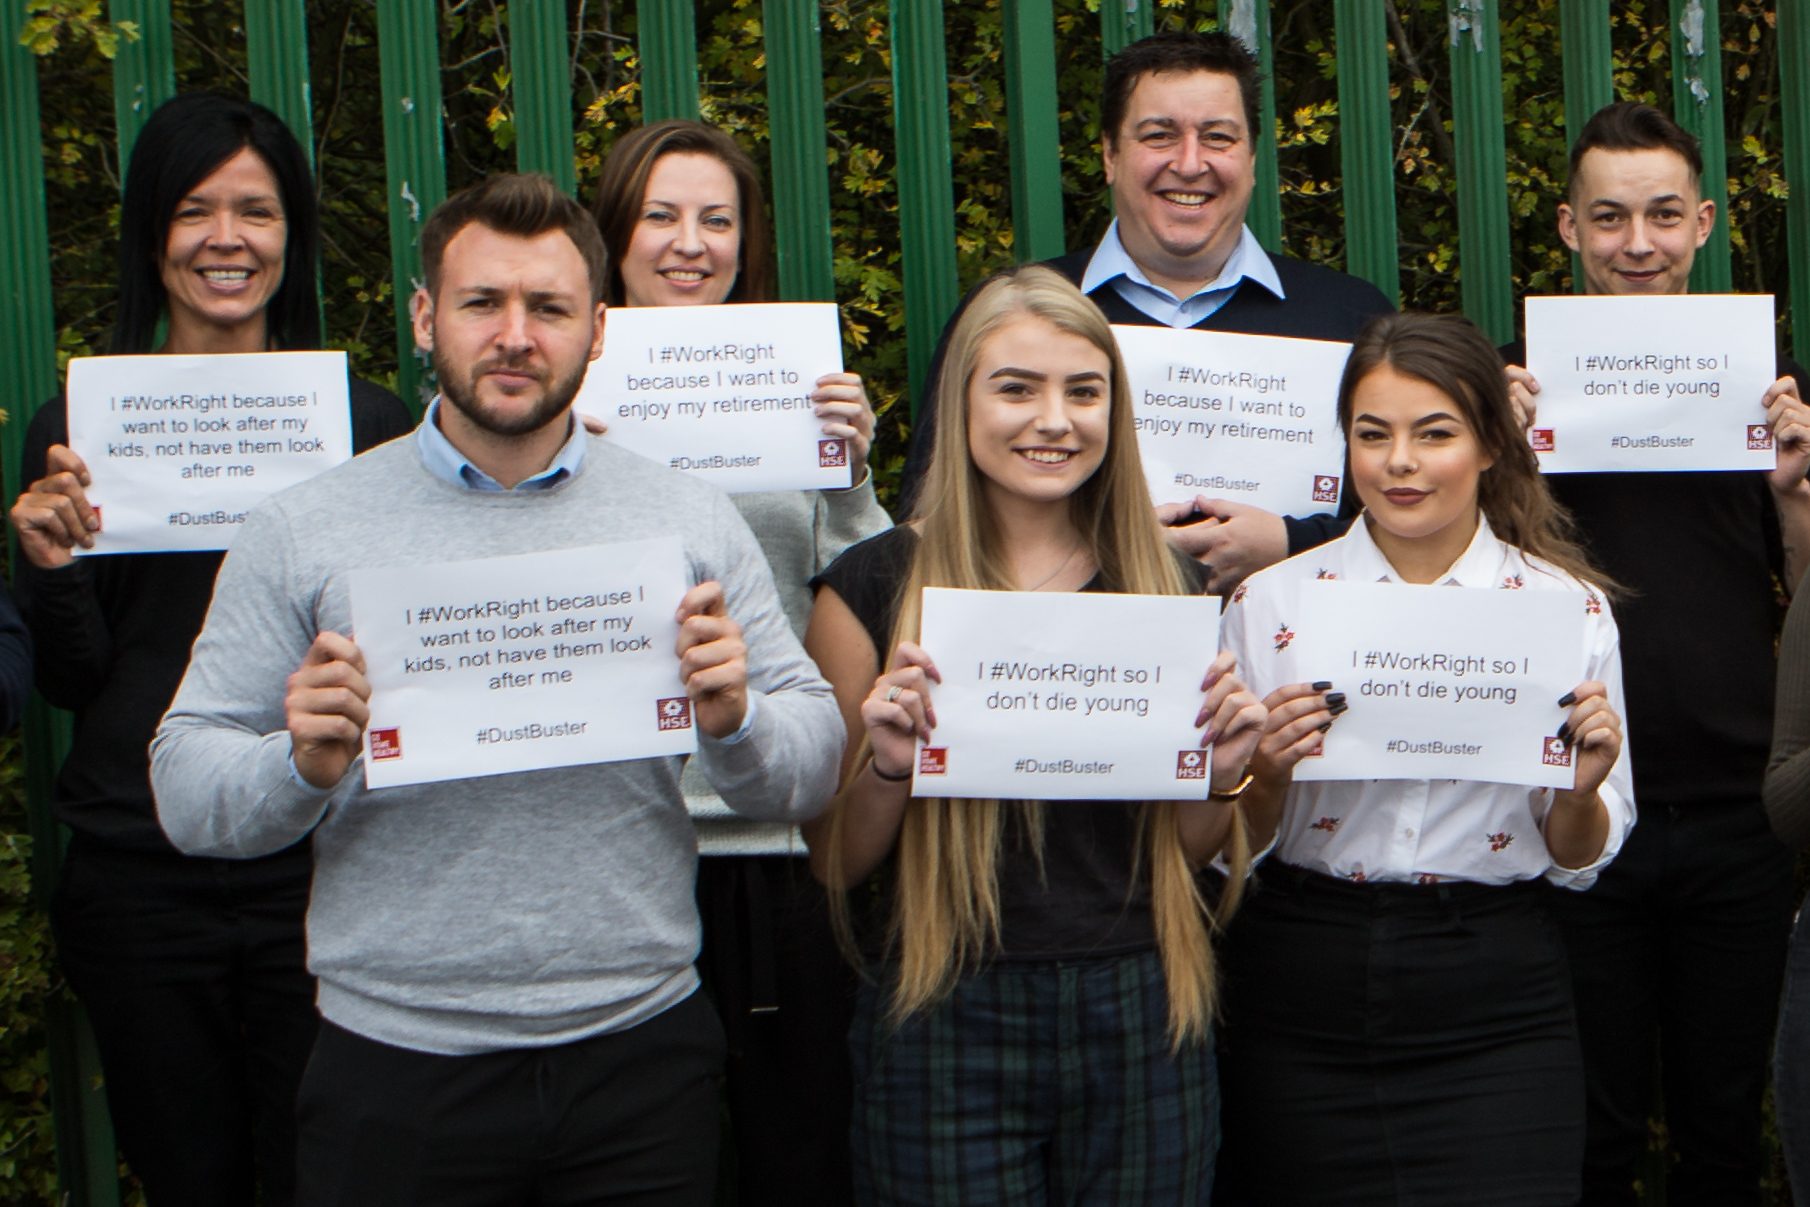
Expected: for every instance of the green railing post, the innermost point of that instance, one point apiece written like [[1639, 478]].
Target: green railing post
[[1249, 22], [920, 99], [1035, 141], [668, 44], [1367, 144], [540, 79], [144, 71], [1123, 22], [1476, 51], [1794, 108], [276, 50], [87, 1160], [800, 165], [415, 172], [1589, 76], [1697, 104]]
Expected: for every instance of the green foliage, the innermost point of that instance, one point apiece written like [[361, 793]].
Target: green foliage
[[82, 178]]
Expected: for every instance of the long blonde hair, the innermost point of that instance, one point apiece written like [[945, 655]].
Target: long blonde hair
[[945, 917]]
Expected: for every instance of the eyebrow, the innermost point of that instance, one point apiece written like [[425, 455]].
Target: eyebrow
[[1435, 417], [1172, 123], [1622, 205], [534, 297], [1035, 375], [714, 205]]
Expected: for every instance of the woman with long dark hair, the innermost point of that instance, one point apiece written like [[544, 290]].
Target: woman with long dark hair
[[680, 207], [1398, 1019], [193, 971]]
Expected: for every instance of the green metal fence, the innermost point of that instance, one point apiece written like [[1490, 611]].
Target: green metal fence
[[277, 51]]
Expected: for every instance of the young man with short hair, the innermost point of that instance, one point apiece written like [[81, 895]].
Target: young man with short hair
[[1178, 122], [1682, 939], [505, 963]]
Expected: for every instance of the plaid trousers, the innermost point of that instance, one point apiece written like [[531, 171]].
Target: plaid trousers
[[1031, 1085]]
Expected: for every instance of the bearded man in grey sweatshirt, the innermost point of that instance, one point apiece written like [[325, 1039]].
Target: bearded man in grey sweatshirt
[[505, 963]]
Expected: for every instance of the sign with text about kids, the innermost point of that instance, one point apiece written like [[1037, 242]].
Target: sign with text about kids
[[1247, 418], [1651, 383], [1066, 696], [180, 448], [574, 663], [1443, 682], [723, 392]]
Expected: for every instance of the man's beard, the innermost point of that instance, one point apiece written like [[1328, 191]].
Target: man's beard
[[461, 393]]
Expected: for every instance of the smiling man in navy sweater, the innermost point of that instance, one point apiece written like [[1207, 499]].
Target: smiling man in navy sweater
[[1177, 120]]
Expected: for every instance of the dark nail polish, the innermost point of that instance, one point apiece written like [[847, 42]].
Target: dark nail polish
[[1567, 700], [1334, 699], [1338, 709], [1565, 733], [1322, 685], [1325, 727]]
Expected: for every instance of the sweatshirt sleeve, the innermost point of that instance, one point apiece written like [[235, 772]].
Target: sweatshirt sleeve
[[844, 518], [220, 766], [784, 767], [1787, 789], [15, 662]]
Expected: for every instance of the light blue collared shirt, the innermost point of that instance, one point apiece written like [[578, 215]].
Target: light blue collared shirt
[[1112, 263], [450, 465]]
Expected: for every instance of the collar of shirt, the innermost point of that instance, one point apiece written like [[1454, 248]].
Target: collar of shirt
[[450, 465], [1481, 564], [1112, 263]]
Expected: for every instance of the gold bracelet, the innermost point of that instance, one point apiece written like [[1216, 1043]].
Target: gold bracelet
[[1235, 793]]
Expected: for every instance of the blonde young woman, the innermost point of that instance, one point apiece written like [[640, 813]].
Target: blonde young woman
[[1398, 1023], [1035, 1027], [680, 208]]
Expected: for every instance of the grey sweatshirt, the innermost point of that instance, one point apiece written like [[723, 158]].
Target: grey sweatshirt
[[801, 532], [512, 910]]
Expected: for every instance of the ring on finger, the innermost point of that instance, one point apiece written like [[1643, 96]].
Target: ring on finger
[[893, 693]]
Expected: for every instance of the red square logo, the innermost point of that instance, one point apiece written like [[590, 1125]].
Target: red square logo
[[933, 760], [96, 508], [1554, 752], [386, 743], [1541, 439], [1191, 765], [1326, 488], [1759, 436], [674, 713], [832, 454]]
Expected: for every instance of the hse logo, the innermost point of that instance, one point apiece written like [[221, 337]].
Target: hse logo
[[386, 743], [1191, 765], [1554, 752], [674, 713], [933, 760], [832, 454], [1759, 436], [1326, 488], [1541, 439]]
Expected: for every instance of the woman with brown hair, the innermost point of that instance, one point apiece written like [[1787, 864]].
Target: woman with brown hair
[[1036, 1025], [1399, 1026], [680, 207]]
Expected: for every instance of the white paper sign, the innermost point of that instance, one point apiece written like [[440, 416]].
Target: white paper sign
[[1066, 696], [1651, 383], [181, 447], [1249, 418], [572, 662], [722, 392], [1443, 682]]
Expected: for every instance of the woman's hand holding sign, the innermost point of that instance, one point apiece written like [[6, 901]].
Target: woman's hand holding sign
[[53, 516], [1233, 720], [1578, 824], [842, 403], [713, 660], [898, 711]]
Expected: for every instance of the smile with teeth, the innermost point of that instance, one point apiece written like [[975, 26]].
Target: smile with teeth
[[226, 275], [1191, 199], [683, 275], [1048, 456]]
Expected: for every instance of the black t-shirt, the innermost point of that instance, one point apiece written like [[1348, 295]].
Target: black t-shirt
[[1081, 899], [113, 636], [1698, 553]]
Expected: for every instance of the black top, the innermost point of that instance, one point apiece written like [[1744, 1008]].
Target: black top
[[1083, 900], [1319, 304], [15, 662], [113, 636], [1698, 553]]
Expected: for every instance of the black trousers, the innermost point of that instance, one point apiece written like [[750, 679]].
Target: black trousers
[[1389, 1044], [193, 973], [787, 998], [1679, 948], [628, 1119]]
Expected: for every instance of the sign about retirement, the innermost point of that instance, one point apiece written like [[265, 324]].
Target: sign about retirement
[[180, 448], [723, 392], [1066, 696], [575, 663], [1443, 682], [1651, 383], [1249, 418]]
